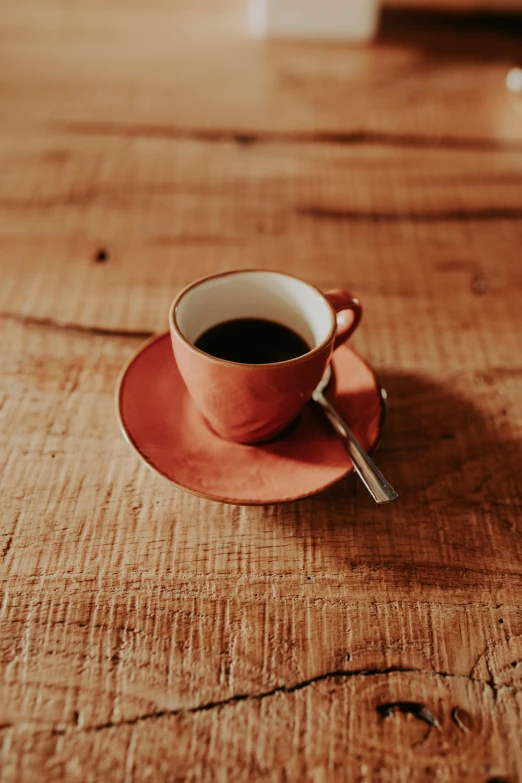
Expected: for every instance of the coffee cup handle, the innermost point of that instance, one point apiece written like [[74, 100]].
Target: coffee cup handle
[[348, 311]]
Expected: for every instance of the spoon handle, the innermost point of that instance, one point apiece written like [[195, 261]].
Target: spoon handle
[[380, 490]]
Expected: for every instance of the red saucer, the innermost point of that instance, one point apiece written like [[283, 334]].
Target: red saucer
[[168, 433]]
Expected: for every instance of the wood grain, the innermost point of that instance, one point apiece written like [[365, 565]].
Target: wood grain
[[150, 635]]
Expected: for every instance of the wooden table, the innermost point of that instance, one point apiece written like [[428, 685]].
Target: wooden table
[[150, 635]]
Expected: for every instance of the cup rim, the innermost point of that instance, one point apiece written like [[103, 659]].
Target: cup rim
[[298, 359]]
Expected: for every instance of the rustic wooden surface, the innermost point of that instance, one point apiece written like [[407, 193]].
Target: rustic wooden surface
[[150, 635]]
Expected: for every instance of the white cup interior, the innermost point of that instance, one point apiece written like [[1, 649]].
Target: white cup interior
[[271, 295]]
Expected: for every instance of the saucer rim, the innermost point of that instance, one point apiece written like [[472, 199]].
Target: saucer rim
[[229, 501]]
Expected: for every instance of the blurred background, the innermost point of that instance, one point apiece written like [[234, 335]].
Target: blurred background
[[145, 144]]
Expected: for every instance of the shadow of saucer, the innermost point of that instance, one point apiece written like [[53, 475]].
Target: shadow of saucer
[[449, 452]]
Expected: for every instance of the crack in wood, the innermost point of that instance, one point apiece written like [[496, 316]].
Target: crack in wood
[[7, 547], [449, 215], [251, 137], [289, 689], [29, 320], [415, 708], [456, 717]]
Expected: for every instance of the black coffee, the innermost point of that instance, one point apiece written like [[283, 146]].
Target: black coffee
[[252, 341]]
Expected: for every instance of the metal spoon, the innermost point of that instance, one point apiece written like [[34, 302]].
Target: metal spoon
[[370, 474]]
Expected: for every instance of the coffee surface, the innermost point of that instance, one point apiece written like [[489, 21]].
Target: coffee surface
[[252, 341]]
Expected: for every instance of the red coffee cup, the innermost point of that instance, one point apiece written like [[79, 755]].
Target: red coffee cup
[[252, 403]]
